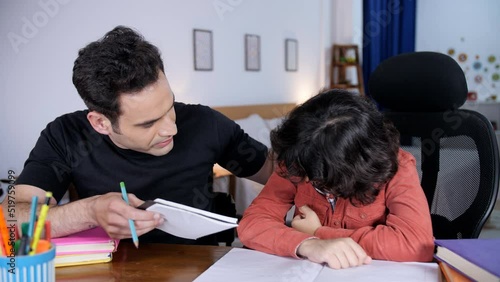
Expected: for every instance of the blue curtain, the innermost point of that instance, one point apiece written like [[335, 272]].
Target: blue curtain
[[388, 30]]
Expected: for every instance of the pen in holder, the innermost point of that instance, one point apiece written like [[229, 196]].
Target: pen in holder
[[37, 267]]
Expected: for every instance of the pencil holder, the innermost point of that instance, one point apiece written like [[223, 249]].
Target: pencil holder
[[38, 267]]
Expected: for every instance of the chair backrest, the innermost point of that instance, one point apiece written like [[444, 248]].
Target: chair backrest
[[456, 149]]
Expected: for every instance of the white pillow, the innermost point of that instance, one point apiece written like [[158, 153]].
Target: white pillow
[[255, 126], [274, 122]]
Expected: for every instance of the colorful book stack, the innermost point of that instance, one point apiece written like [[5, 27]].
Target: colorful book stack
[[85, 247], [474, 259]]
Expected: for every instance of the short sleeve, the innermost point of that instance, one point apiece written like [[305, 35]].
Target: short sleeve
[[48, 166], [241, 154]]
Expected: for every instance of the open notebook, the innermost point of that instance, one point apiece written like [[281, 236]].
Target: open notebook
[[247, 265], [188, 222]]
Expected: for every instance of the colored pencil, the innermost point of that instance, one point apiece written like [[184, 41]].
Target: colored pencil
[[130, 221]]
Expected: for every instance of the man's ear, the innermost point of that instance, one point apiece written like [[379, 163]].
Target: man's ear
[[99, 122]]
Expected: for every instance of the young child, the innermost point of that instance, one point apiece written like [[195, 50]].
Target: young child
[[358, 195]]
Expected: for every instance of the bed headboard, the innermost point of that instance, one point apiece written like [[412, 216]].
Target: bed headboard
[[266, 111]]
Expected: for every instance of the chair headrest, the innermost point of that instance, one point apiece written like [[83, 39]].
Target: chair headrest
[[419, 82]]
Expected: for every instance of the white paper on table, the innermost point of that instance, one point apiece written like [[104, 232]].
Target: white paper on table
[[387, 271], [247, 265]]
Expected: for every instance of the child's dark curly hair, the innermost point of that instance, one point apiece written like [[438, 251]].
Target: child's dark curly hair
[[341, 143]]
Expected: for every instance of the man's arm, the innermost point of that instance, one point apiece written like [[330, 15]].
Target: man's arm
[[109, 211], [265, 171]]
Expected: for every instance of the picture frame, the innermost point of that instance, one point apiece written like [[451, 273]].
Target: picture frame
[[291, 54], [252, 52], [203, 50]]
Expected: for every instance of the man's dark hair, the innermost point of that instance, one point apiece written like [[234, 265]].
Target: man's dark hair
[[120, 62], [341, 142]]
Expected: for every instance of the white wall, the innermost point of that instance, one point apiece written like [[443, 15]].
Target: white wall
[[469, 27], [346, 27], [347, 22], [39, 41]]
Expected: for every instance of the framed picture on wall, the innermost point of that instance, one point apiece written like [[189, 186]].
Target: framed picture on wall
[[291, 54], [252, 52], [203, 50]]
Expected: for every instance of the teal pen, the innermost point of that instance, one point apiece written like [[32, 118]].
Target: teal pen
[[130, 221], [32, 223]]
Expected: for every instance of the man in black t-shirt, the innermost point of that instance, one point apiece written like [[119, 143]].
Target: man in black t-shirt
[[128, 134]]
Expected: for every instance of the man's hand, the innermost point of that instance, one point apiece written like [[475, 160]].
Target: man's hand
[[307, 221], [112, 213], [337, 253]]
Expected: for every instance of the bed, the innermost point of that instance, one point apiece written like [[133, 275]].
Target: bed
[[257, 121]]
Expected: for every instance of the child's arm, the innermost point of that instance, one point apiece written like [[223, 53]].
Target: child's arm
[[263, 224], [306, 220], [337, 253], [406, 234]]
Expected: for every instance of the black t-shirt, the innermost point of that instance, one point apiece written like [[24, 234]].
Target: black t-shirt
[[69, 150]]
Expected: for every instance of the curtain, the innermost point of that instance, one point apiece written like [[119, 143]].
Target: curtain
[[388, 30]]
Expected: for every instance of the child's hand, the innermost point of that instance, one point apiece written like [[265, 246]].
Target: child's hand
[[307, 221], [337, 253]]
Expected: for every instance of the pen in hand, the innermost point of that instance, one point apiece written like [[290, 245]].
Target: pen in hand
[[130, 221]]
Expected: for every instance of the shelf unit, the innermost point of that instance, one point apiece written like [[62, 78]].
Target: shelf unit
[[345, 57]]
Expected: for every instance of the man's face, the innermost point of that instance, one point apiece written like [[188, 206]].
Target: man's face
[[147, 122]]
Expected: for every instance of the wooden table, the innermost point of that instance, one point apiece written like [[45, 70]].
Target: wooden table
[[151, 262]]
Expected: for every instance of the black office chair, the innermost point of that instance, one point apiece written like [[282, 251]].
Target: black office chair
[[456, 150]]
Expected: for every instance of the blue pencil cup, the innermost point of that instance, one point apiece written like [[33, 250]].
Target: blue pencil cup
[[38, 267]]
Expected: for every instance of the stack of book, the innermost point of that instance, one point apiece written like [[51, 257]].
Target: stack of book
[[469, 259], [85, 247]]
